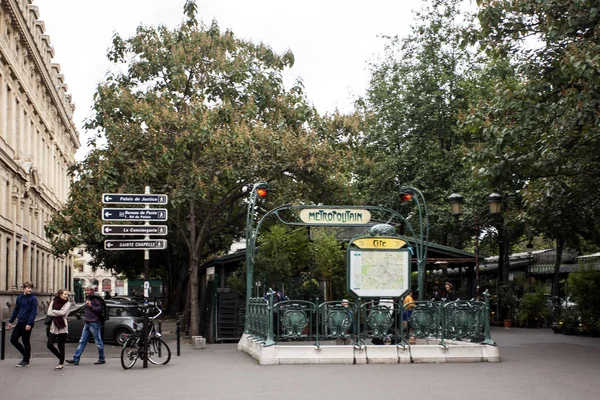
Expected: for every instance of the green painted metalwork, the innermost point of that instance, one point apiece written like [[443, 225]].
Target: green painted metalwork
[[258, 313], [336, 321], [459, 320], [379, 319], [464, 320], [293, 321], [488, 338], [425, 320], [422, 243], [250, 244], [287, 214]]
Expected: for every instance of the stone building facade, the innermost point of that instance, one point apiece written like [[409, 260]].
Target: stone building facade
[[102, 279], [38, 141]]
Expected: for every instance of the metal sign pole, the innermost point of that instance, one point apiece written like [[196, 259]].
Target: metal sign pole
[[146, 287]]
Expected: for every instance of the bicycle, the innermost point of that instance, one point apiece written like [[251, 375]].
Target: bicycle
[[133, 348]]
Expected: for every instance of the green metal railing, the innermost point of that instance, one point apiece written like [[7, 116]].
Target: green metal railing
[[461, 320]]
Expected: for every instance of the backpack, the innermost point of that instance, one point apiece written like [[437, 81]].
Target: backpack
[[103, 310]]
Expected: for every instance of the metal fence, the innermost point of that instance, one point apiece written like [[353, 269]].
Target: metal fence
[[383, 321]]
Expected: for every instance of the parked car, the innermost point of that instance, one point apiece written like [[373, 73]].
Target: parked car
[[568, 303], [116, 328], [125, 299], [554, 302]]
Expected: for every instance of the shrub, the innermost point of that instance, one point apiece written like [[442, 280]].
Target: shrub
[[585, 288], [533, 308]]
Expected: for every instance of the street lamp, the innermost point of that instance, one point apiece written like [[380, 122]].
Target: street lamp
[[495, 207], [408, 193]]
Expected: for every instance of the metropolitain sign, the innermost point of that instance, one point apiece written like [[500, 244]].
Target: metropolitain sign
[[337, 216]]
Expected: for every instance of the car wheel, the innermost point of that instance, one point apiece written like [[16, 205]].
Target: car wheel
[[121, 336]]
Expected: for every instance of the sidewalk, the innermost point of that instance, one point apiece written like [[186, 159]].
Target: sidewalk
[[536, 364]]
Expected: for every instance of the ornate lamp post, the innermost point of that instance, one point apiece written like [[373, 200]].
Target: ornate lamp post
[[495, 207], [411, 193], [258, 190]]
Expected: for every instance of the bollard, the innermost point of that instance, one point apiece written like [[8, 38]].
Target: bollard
[[3, 340], [198, 342], [178, 341]]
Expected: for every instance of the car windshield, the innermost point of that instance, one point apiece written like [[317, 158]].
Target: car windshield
[[125, 312]]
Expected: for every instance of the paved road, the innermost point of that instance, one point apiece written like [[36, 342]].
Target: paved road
[[536, 364]]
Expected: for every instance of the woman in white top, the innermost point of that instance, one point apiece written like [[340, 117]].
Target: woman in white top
[[59, 309]]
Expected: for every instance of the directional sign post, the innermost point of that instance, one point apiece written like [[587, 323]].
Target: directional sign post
[[119, 198], [157, 244], [134, 230], [134, 214], [146, 215]]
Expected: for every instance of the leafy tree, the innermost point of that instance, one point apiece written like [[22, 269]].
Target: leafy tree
[[199, 114], [415, 97], [330, 261], [540, 124], [282, 254]]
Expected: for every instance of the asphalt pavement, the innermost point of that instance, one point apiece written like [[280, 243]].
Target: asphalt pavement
[[536, 364]]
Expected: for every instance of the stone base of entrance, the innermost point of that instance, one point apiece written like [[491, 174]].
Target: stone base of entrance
[[425, 351]]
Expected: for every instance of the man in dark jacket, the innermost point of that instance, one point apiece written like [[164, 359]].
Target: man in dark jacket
[[91, 313], [25, 312]]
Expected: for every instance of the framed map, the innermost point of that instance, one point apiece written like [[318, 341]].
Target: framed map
[[379, 273]]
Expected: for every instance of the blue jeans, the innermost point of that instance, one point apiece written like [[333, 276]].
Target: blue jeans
[[93, 328]]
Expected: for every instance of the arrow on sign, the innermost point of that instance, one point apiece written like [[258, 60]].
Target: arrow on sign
[[119, 198], [134, 229], [158, 244], [134, 214]]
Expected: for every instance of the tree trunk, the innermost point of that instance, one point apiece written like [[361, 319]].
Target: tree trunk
[[193, 272], [194, 303]]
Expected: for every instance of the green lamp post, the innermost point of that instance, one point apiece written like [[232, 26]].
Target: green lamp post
[[408, 193], [259, 190]]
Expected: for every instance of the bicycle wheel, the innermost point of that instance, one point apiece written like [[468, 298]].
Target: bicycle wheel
[[130, 353], [158, 351]]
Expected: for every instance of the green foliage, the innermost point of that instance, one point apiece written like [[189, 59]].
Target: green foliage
[[533, 306], [585, 287], [200, 114], [543, 109], [286, 256], [329, 259], [507, 301], [417, 91], [237, 280], [283, 252]]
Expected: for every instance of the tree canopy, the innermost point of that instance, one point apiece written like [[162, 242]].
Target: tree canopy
[[199, 114]]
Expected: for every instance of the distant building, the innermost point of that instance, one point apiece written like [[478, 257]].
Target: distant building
[[38, 141], [102, 279]]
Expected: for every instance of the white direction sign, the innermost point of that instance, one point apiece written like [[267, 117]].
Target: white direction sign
[[119, 198], [155, 244], [134, 214], [134, 230]]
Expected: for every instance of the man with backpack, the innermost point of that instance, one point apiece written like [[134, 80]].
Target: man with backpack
[[94, 314]]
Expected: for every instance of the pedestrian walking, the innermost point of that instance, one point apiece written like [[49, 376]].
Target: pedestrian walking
[[407, 305], [92, 312], [25, 312], [59, 328]]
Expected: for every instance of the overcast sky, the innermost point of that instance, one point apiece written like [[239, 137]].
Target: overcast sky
[[332, 40]]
